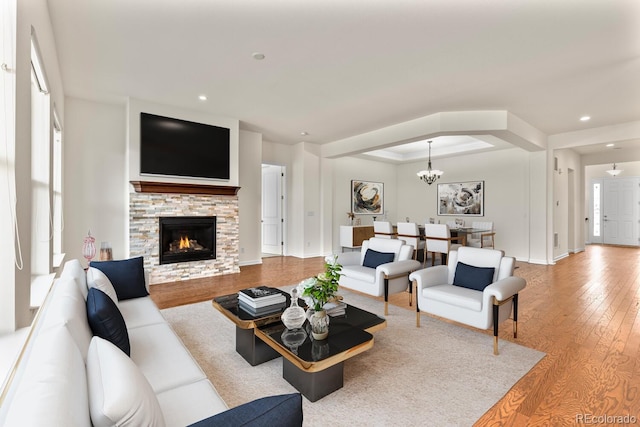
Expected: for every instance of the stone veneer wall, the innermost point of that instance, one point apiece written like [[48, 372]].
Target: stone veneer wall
[[144, 210]]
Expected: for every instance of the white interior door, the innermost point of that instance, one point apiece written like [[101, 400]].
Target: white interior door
[[620, 211], [272, 202]]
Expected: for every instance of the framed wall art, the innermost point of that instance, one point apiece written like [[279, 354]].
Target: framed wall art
[[461, 198], [367, 197]]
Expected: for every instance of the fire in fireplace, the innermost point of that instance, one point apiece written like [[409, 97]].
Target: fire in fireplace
[[187, 238]]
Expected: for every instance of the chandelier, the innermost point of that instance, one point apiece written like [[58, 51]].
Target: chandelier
[[430, 175], [614, 171]]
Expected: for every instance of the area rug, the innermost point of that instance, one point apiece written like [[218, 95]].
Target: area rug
[[438, 374]]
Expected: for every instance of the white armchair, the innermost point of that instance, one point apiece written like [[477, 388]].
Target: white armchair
[[477, 288], [382, 267]]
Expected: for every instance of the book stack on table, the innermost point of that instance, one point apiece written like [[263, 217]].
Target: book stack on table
[[261, 300]]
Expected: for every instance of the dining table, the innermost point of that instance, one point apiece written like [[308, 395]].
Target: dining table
[[463, 232]]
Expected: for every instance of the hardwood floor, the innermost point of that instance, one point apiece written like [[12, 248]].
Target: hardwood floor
[[584, 312]]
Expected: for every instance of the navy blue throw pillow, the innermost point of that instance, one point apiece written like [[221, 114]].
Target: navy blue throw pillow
[[373, 258], [106, 321], [126, 276], [477, 278], [284, 410]]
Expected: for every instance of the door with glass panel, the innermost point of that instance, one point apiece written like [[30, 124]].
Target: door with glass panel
[[614, 211]]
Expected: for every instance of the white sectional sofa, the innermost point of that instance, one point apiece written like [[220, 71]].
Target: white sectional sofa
[[67, 377]]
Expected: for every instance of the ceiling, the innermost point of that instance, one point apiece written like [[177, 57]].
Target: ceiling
[[338, 68]]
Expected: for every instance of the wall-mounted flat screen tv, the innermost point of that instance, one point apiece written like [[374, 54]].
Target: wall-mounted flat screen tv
[[182, 148]]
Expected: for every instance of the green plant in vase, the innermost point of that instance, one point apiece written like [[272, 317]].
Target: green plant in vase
[[319, 290]]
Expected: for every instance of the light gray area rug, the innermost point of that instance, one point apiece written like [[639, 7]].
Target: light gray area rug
[[436, 375]]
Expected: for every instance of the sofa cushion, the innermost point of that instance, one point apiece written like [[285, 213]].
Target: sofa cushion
[[283, 410], [97, 279], [118, 392], [166, 369], [373, 258], [140, 312], [471, 277], [127, 276], [106, 321], [454, 295], [359, 272], [190, 403]]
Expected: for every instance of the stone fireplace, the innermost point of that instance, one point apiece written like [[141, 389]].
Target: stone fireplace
[[186, 238], [173, 203]]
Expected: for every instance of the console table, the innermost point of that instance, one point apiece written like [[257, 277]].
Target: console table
[[352, 236]]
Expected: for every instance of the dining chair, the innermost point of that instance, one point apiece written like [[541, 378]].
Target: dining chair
[[482, 240], [438, 240], [409, 232], [383, 229]]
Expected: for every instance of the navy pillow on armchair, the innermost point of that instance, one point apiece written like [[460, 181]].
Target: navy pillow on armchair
[[476, 278], [373, 258], [126, 276]]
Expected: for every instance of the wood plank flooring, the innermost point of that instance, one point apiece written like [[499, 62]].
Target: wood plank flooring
[[584, 312]]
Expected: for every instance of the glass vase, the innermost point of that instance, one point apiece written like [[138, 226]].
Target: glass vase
[[89, 247], [319, 325], [294, 316]]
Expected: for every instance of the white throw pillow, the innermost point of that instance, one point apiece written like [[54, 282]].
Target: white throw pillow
[[97, 279], [119, 394]]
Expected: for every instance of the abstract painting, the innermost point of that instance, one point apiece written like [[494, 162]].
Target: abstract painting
[[367, 197], [461, 198]]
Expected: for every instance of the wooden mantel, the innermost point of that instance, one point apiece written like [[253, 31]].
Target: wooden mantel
[[169, 187]]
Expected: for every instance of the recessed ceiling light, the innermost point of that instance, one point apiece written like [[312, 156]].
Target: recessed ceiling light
[[202, 97], [257, 55], [610, 145], [303, 133], [585, 118]]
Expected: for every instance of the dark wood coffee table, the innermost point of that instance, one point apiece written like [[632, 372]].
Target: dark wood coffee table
[[315, 368]]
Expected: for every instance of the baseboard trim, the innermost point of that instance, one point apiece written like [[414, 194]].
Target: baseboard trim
[[250, 262]]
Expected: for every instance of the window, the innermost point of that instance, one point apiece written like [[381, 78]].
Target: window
[[40, 168], [596, 209], [58, 218]]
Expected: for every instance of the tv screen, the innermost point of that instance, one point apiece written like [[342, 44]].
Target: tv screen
[[181, 148]]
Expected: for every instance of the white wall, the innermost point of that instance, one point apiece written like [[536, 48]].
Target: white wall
[[95, 191], [567, 203], [506, 176], [136, 106], [345, 170], [249, 197]]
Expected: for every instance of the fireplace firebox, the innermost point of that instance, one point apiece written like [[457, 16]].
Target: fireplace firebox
[[187, 238]]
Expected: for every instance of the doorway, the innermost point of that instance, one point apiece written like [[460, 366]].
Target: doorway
[[273, 202], [614, 211]]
